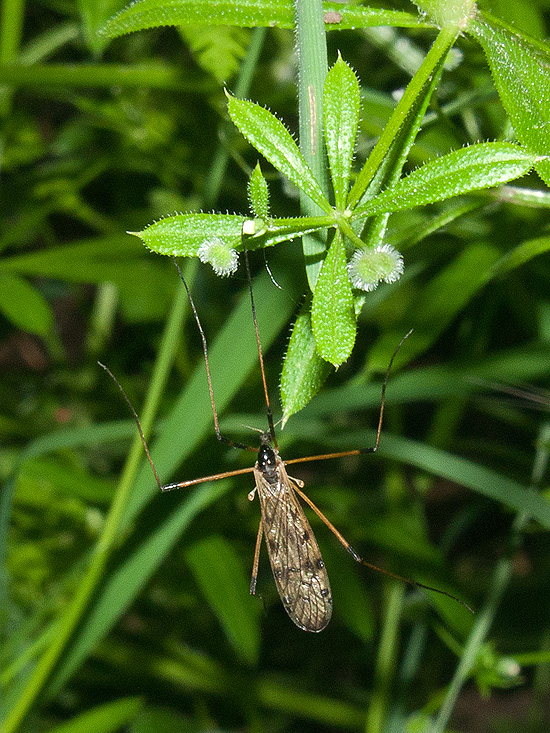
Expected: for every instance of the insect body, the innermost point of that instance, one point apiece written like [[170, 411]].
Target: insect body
[[298, 568]]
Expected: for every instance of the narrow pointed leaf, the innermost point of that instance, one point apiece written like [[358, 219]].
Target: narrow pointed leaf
[[470, 169], [106, 718], [24, 305], [341, 102], [332, 311], [248, 13], [520, 66], [183, 234], [219, 572], [153, 13], [304, 372], [268, 135], [258, 193]]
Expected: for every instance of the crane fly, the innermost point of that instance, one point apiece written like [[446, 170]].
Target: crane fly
[[298, 568]]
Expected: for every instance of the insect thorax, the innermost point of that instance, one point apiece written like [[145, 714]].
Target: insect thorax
[[268, 460]]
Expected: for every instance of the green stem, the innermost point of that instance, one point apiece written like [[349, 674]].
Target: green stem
[[11, 30], [312, 70], [484, 620], [111, 531], [386, 661]]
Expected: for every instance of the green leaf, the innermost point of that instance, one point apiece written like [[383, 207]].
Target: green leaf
[[154, 13], [107, 718], [521, 254], [341, 102], [182, 235], [520, 66], [267, 13], [268, 135], [304, 372], [470, 169], [45, 475], [258, 193], [219, 50], [332, 310], [443, 297], [219, 572], [118, 259], [23, 305]]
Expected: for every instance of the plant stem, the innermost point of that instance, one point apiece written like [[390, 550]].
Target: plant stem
[[111, 531], [311, 49], [11, 29], [387, 659]]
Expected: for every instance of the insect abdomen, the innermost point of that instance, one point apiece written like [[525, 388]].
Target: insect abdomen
[[298, 568]]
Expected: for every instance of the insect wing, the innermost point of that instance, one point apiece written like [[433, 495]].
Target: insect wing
[[298, 568]]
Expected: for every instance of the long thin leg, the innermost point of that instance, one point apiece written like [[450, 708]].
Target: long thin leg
[[204, 479], [360, 560], [181, 484], [254, 576], [136, 418], [361, 451], [219, 436], [260, 353]]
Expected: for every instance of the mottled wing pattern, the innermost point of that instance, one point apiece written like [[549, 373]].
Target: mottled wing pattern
[[298, 568]]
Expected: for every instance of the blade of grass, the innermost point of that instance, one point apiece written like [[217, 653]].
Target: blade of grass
[[485, 481], [70, 620], [386, 661], [231, 358], [499, 582]]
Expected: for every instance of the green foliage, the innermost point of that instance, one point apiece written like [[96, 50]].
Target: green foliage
[[121, 606], [218, 49], [332, 314], [222, 578], [103, 718], [273, 13], [519, 66]]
